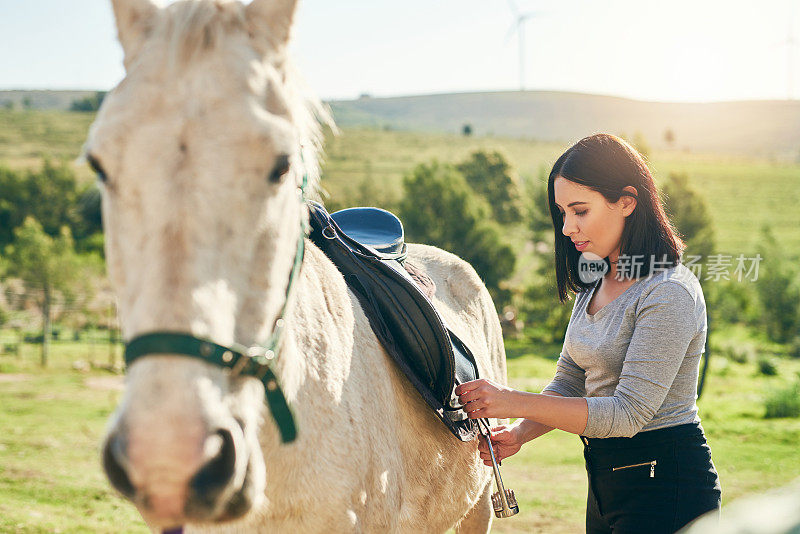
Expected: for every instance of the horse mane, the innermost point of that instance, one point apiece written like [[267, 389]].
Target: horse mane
[[194, 26]]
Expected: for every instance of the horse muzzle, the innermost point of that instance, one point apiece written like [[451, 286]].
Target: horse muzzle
[[197, 477]]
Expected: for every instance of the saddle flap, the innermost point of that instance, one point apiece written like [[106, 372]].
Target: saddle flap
[[413, 333]]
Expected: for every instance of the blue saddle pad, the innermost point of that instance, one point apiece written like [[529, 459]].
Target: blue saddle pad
[[378, 229]]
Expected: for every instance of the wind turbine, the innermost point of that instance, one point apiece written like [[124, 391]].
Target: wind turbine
[[518, 26]]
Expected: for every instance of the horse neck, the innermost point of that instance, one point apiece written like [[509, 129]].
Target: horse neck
[[320, 327]]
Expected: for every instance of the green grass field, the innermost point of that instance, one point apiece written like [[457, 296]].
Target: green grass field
[[53, 420]]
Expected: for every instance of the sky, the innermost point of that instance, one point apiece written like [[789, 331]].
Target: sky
[[676, 51]]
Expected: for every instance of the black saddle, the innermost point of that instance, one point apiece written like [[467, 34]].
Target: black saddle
[[367, 246]]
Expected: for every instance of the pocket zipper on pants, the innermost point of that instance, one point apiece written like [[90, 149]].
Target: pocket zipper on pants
[[652, 465]]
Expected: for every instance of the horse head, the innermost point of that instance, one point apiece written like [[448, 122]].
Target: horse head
[[199, 155]]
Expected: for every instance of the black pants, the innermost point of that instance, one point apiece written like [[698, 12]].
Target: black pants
[[656, 481]]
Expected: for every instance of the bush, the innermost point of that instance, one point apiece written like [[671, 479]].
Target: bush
[[783, 402], [794, 348], [739, 354], [767, 367], [731, 302], [721, 367], [33, 338]]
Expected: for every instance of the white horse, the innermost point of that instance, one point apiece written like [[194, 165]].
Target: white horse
[[199, 156]]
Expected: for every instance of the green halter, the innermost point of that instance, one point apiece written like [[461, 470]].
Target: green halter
[[250, 361]]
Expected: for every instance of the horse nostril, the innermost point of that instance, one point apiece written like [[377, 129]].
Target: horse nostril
[[217, 473], [114, 460]]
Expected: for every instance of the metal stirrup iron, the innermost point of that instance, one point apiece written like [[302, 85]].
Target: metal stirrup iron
[[503, 500]]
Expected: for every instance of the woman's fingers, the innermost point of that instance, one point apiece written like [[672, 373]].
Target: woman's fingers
[[483, 447], [469, 396], [472, 402], [487, 459], [474, 405], [468, 386], [504, 444], [498, 435], [503, 437], [483, 398]]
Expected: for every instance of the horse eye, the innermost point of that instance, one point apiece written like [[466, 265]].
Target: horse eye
[[280, 168], [97, 168]]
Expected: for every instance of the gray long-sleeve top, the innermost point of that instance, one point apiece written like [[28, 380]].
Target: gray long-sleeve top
[[637, 359]]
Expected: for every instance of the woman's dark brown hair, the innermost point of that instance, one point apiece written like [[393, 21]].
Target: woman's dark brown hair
[[607, 164]]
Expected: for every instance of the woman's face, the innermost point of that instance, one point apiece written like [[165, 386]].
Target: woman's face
[[589, 218]]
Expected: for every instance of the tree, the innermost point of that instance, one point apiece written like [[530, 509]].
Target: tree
[[12, 196], [540, 308], [439, 208], [27, 103], [47, 265], [537, 208], [778, 288], [544, 315], [466, 130], [89, 103], [689, 212], [490, 175], [50, 195], [669, 137]]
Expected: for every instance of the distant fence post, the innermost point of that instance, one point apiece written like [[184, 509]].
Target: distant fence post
[[111, 352], [90, 338]]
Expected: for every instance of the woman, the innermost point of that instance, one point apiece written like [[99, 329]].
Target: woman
[[627, 375]]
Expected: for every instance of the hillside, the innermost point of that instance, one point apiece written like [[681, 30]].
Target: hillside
[[768, 129], [764, 128], [42, 99]]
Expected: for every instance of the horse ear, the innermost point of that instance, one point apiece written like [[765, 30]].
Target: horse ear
[[134, 20], [270, 23]]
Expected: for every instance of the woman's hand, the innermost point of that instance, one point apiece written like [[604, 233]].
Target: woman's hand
[[506, 441], [484, 398]]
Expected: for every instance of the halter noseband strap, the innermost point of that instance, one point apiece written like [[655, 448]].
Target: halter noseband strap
[[240, 359], [253, 361]]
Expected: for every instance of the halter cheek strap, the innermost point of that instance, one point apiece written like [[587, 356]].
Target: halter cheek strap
[[253, 361]]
